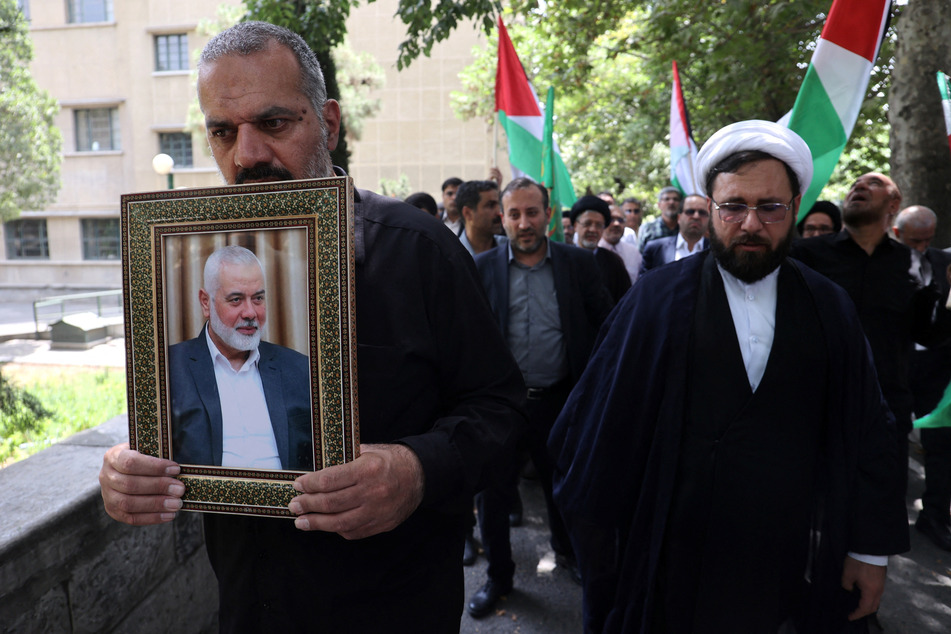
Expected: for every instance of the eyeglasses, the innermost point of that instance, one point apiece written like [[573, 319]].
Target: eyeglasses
[[616, 219], [703, 213], [768, 213]]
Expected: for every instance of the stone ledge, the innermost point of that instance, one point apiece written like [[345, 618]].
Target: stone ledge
[[66, 566]]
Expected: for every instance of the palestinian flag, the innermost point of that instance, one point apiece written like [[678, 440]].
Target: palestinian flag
[[683, 149], [835, 84], [945, 89], [524, 123]]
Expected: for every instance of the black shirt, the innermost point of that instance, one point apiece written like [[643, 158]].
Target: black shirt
[[894, 310], [434, 374]]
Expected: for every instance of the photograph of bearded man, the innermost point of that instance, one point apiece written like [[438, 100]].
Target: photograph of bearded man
[[238, 401]]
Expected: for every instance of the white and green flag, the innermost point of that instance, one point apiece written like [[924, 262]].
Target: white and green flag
[[834, 88], [524, 124], [683, 149]]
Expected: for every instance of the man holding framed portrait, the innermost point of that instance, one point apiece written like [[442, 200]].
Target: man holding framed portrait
[[377, 542]]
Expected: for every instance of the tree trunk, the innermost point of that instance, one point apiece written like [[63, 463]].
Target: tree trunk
[[920, 157]]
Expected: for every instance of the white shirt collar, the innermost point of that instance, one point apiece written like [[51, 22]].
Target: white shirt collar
[[753, 307]]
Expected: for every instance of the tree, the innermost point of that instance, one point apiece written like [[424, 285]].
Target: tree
[[611, 65], [921, 163], [30, 144]]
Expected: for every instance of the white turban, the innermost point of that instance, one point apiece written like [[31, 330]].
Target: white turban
[[772, 138]]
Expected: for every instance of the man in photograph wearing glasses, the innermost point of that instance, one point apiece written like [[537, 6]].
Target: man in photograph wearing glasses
[[701, 491]]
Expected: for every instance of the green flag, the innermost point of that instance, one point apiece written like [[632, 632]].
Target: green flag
[[555, 229]]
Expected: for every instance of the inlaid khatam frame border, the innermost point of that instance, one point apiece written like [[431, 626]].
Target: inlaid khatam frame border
[[323, 208]]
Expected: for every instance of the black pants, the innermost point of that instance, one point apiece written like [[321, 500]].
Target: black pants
[[497, 501]]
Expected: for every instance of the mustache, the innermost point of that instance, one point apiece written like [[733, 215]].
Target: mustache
[[750, 240], [261, 172]]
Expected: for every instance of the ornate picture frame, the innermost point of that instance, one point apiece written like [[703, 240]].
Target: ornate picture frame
[[301, 232]]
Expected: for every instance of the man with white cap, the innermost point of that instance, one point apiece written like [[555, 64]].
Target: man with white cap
[[701, 491]]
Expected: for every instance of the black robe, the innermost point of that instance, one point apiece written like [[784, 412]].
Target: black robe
[[617, 447]]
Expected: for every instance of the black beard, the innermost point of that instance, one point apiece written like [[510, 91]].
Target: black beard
[[747, 266], [861, 217]]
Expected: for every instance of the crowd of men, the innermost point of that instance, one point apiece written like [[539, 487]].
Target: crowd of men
[[720, 430]]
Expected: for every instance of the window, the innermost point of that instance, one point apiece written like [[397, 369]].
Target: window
[[26, 239], [178, 145], [24, 7], [171, 52], [97, 130], [100, 238], [89, 11]]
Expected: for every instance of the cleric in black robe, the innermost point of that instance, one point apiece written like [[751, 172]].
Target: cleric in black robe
[[702, 494]]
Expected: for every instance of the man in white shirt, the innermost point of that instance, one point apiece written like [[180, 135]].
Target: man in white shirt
[[929, 375], [628, 251], [237, 401], [693, 223], [451, 216], [702, 492]]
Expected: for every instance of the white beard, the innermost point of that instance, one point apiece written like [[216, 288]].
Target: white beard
[[231, 336]]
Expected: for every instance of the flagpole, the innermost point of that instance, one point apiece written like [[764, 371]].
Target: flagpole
[[495, 140]]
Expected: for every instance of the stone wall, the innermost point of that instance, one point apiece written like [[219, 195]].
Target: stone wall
[[66, 566]]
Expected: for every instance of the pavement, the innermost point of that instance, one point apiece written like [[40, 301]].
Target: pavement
[[917, 596]]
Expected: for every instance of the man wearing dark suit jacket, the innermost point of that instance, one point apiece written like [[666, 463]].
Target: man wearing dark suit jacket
[[549, 302], [693, 223], [237, 401], [930, 373]]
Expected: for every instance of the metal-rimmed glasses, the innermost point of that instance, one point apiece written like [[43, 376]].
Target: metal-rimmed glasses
[[768, 213]]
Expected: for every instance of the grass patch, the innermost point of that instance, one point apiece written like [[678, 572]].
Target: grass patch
[[41, 405]]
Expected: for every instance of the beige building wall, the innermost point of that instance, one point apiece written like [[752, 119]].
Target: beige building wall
[[112, 64], [104, 65], [416, 132]]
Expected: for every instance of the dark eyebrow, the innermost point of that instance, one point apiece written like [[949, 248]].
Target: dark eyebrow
[[270, 113]]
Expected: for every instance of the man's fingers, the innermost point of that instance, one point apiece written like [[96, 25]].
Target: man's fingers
[[330, 479], [867, 605], [139, 489], [355, 524]]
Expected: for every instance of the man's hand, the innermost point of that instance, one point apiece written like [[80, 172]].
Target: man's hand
[[373, 494], [495, 174], [139, 489], [871, 584]]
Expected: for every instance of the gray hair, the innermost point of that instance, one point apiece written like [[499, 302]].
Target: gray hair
[[917, 216], [231, 254], [247, 38]]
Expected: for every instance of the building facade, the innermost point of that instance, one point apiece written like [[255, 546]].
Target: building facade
[[123, 74]]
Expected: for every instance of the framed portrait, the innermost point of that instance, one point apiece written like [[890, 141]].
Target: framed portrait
[[240, 337]]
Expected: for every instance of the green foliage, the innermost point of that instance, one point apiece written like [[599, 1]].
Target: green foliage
[[610, 62], [396, 188], [428, 23], [358, 75], [52, 405], [30, 144]]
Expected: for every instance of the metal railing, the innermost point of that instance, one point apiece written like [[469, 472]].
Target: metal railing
[[86, 299]]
